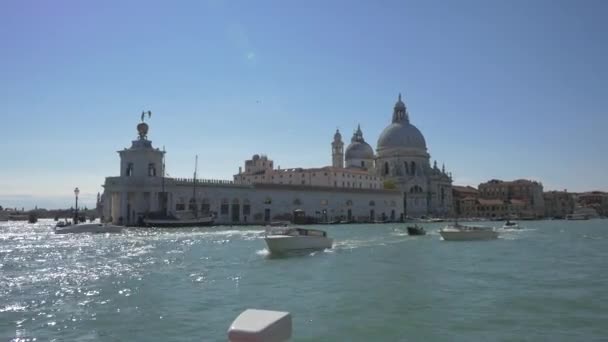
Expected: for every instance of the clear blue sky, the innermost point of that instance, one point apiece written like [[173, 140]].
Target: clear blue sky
[[500, 89]]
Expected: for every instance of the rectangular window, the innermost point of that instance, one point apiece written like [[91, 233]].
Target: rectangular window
[[180, 206], [246, 209], [205, 208], [224, 209]]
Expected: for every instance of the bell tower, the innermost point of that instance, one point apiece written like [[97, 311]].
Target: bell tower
[[337, 151]]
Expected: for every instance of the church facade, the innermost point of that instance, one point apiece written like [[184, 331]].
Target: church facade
[[401, 162]]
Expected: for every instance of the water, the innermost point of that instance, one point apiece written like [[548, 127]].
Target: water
[[547, 281]]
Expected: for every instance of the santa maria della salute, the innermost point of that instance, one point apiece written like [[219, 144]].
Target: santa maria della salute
[[395, 182]]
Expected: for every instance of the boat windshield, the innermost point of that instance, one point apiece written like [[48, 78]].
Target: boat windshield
[[297, 232]]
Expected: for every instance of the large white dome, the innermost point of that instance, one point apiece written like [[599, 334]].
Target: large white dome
[[401, 133]]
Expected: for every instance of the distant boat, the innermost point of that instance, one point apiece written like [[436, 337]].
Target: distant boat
[[182, 219], [296, 239], [334, 222], [510, 225], [574, 217], [173, 222], [415, 230], [458, 232], [18, 217], [87, 228]]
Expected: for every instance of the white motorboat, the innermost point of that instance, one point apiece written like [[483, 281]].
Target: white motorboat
[[510, 225], [295, 239], [458, 232], [87, 228]]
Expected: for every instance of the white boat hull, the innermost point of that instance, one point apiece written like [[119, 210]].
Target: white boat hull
[[468, 235], [96, 228], [515, 226], [283, 244]]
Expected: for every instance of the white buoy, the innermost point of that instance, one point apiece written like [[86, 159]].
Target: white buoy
[[260, 326]]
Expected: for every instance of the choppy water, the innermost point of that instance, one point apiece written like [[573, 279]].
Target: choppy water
[[548, 281]]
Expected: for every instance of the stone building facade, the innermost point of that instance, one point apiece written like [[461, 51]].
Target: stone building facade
[[526, 191], [141, 189], [558, 204], [597, 200]]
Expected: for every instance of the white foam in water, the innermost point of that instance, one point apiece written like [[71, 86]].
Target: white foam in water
[[262, 252]]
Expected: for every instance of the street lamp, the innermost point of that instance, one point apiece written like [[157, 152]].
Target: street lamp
[[76, 192]]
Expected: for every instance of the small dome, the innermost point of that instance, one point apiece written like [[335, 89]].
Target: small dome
[[359, 150], [401, 134]]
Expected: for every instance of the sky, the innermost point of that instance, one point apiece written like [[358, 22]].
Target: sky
[[500, 89]]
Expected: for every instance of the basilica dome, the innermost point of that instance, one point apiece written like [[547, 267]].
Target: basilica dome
[[401, 133], [358, 148]]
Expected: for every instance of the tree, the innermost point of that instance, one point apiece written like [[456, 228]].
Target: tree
[[389, 184], [1, 208]]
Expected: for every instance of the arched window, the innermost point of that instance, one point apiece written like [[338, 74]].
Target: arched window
[[413, 168], [129, 171], [407, 169], [385, 168], [362, 163], [151, 170], [205, 207], [224, 207], [246, 207], [415, 190]]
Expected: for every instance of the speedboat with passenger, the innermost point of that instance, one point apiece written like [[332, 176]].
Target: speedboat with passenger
[[459, 232], [295, 239], [415, 230], [510, 225]]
